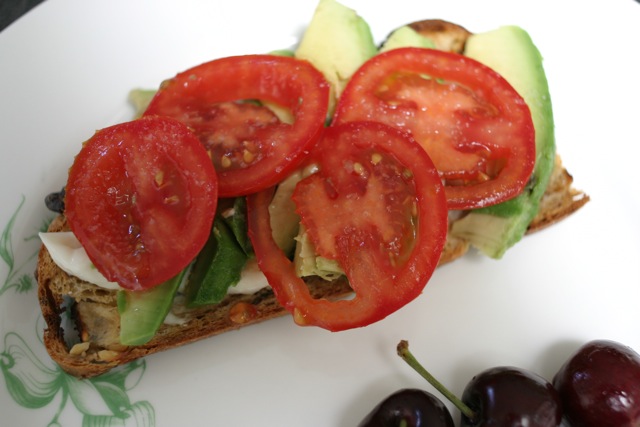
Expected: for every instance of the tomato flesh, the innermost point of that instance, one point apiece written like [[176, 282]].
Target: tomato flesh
[[376, 205], [476, 128], [140, 198], [231, 134], [250, 147]]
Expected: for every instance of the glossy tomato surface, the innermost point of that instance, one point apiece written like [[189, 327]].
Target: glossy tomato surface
[[377, 206], [225, 101], [476, 128], [140, 198]]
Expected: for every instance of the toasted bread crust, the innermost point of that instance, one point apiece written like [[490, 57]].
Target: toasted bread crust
[[447, 36], [559, 200], [98, 351]]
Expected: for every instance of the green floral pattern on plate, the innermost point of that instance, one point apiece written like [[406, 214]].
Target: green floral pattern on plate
[[22, 283], [33, 384]]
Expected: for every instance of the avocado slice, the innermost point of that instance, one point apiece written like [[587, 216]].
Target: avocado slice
[[282, 52], [290, 235], [282, 214], [140, 99], [337, 42], [406, 37], [308, 263], [142, 312], [510, 51], [217, 267]]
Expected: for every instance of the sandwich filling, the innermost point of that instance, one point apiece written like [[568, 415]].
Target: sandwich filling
[[255, 171]]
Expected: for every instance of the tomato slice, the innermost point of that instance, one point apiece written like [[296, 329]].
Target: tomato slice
[[476, 128], [376, 205], [249, 146], [140, 198]]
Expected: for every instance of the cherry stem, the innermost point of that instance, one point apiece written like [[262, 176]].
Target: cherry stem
[[407, 356]]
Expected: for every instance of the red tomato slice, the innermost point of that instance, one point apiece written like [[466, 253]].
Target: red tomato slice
[[476, 128], [140, 198], [376, 205], [250, 148]]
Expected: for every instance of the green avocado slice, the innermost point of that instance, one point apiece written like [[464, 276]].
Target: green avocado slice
[[406, 37], [142, 312], [337, 42], [510, 51]]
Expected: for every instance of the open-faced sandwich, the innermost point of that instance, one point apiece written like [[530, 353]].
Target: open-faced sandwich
[[327, 182]]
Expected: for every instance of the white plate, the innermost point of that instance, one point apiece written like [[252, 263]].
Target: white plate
[[66, 68]]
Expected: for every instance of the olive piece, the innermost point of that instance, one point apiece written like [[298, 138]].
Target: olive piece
[[409, 408], [599, 385], [55, 201]]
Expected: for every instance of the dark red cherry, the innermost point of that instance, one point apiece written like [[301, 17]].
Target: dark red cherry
[[599, 386], [508, 396], [500, 397], [409, 408]]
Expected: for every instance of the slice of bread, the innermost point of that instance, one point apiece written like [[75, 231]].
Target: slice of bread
[[71, 306], [83, 324], [82, 333]]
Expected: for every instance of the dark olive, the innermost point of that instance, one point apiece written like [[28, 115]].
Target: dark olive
[[55, 201]]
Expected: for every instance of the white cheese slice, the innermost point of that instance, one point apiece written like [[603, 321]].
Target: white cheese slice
[[68, 254], [252, 279]]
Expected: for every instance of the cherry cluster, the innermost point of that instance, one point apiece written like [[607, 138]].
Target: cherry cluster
[[598, 386]]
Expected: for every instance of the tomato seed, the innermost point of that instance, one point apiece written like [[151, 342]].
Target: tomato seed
[[248, 156], [159, 178], [225, 161], [171, 200]]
